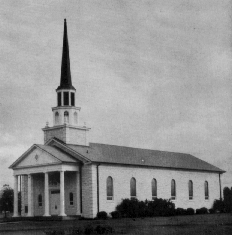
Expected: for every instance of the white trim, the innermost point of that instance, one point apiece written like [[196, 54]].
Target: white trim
[[25, 154], [47, 168], [66, 107], [22, 156]]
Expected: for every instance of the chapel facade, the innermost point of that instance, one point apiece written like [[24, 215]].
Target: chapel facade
[[68, 176]]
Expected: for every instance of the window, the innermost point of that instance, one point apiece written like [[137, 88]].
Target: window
[[66, 117], [109, 188], [133, 187], [190, 186], [154, 188], [66, 98], [206, 190], [72, 99], [59, 99], [75, 117], [71, 199], [26, 209], [57, 118], [40, 201], [173, 190]]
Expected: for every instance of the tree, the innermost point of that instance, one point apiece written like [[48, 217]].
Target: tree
[[6, 199], [227, 199]]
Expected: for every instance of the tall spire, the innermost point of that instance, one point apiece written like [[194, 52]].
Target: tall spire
[[65, 78]]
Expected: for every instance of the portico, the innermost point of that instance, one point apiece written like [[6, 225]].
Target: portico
[[49, 189]]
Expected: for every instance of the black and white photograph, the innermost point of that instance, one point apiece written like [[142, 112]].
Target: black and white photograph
[[115, 117]]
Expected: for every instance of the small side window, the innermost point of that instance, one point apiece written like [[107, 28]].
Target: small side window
[[133, 187], [109, 188], [71, 199], [173, 190], [206, 190], [190, 190], [154, 188], [40, 201]]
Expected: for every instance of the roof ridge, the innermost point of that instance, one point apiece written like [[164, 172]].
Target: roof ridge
[[163, 151]]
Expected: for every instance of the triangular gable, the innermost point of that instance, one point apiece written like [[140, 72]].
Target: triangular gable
[[35, 156], [61, 145]]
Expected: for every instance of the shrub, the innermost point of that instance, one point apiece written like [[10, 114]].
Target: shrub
[[133, 208], [129, 208], [190, 211], [115, 214], [202, 210], [102, 215], [160, 207], [218, 205], [180, 211]]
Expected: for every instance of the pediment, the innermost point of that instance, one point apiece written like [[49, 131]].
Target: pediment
[[35, 156]]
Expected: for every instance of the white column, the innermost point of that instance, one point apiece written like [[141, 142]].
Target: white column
[[62, 98], [46, 195], [78, 212], [62, 211], [69, 94], [30, 196], [15, 196]]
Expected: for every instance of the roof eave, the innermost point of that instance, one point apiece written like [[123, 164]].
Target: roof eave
[[161, 167]]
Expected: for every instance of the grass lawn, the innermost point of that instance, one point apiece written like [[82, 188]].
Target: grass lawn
[[220, 224]]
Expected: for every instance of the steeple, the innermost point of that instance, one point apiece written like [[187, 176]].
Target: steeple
[[65, 78], [66, 125]]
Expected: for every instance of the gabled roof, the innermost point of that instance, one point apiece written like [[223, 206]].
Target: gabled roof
[[59, 155], [112, 154]]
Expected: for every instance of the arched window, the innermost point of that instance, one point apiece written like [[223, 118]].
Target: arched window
[[57, 118], [173, 190], [66, 117], [206, 190], [109, 188], [154, 188], [40, 201], [71, 199], [190, 186], [133, 187], [75, 117]]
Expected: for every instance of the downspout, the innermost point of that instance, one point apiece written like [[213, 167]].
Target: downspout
[[20, 189], [80, 188], [220, 186], [98, 187]]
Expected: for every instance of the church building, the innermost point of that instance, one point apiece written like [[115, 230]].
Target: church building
[[68, 176]]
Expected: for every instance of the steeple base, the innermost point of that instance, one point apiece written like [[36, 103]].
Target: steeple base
[[69, 134]]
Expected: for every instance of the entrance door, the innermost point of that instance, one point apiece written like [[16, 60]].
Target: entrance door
[[55, 202]]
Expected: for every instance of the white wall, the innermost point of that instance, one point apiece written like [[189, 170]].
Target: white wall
[[121, 178]]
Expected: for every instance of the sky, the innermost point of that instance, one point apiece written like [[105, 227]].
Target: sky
[[151, 74]]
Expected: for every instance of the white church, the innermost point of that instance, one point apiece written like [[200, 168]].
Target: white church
[[68, 176]]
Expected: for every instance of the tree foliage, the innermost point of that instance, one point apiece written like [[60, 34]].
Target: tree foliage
[[6, 199], [224, 205], [227, 193]]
